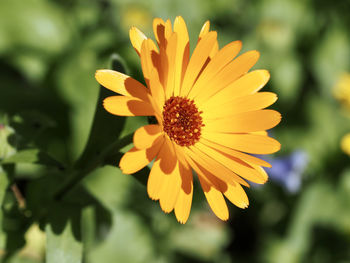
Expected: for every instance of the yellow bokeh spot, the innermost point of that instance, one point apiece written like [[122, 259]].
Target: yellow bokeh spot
[[135, 15], [342, 90], [345, 144]]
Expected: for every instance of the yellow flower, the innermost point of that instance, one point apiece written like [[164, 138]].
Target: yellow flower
[[342, 90], [210, 117]]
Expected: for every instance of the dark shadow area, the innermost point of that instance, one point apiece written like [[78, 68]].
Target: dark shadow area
[[36, 112], [45, 210]]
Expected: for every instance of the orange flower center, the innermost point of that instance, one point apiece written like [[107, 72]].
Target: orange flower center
[[182, 121]]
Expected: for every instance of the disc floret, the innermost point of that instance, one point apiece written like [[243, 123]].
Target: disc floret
[[182, 121]]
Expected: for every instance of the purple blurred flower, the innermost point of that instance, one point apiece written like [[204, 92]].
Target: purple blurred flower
[[287, 170]]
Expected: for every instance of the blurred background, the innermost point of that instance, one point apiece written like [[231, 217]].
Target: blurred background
[[49, 51]]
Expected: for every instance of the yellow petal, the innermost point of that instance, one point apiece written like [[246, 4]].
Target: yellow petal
[[145, 136], [204, 30], [134, 160], [168, 161], [219, 61], [247, 84], [158, 97], [155, 181], [210, 164], [249, 143], [228, 75], [263, 133], [170, 189], [236, 154], [163, 70], [151, 62], [182, 53], [162, 31], [236, 195], [207, 175], [184, 200], [150, 59], [251, 102], [234, 164], [171, 53], [159, 30], [244, 122], [180, 154], [121, 83], [215, 200], [214, 50], [168, 29], [164, 165], [198, 59], [200, 171], [136, 38], [127, 106], [261, 171], [234, 192]]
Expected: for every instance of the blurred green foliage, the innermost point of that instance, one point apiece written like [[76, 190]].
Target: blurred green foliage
[[52, 135]]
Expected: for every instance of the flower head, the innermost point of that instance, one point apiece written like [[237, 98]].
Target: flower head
[[210, 116]]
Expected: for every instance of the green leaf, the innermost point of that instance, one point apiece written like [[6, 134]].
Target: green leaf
[[32, 123], [63, 247], [129, 241], [4, 183], [27, 33], [6, 147], [32, 156], [78, 219], [63, 235], [40, 196], [119, 64], [88, 226], [13, 222], [331, 50], [106, 128]]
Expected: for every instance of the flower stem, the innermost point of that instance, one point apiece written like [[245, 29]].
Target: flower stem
[[19, 197], [102, 159]]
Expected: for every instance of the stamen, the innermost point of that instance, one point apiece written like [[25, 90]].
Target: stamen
[[182, 121]]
